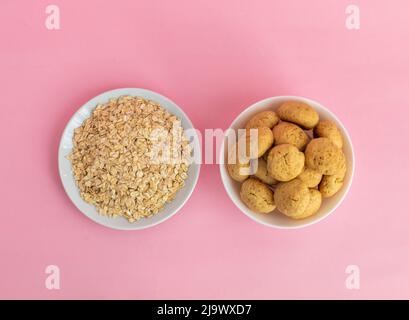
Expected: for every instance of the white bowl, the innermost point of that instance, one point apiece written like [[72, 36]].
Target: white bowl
[[67, 177], [276, 219]]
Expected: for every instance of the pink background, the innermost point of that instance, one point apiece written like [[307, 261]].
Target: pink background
[[213, 58]]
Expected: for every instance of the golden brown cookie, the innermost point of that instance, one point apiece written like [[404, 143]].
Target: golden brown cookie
[[328, 129], [299, 113], [323, 156], [311, 177], [289, 133], [330, 185], [292, 198], [262, 173], [263, 119], [285, 162], [257, 196], [238, 168], [258, 142], [313, 206]]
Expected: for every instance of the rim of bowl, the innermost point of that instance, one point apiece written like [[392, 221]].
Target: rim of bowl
[[223, 170], [91, 217]]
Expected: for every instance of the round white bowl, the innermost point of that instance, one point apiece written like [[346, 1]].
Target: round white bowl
[[67, 177], [276, 219]]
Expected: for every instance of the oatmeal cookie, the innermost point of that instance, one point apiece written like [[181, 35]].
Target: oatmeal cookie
[[257, 196], [292, 198], [323, 156], [299, 113], [311, 177], [285, 162], [262, 173], [328, 129], [289, 133], [263, 119], [313, 206], [237, 167], [265, 139], [330, 185]]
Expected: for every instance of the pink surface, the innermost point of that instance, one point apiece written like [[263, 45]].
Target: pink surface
[[213, 58]]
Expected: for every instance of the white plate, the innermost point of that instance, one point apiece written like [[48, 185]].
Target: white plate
[[277, 219], [67, 177]]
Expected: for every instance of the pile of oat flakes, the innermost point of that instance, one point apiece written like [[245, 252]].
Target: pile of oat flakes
[[130, 158]]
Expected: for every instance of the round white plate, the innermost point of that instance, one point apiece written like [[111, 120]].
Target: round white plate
[[67, 177], [276, 219]]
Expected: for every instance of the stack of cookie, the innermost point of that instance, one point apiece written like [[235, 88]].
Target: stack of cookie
[[299, 161]]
